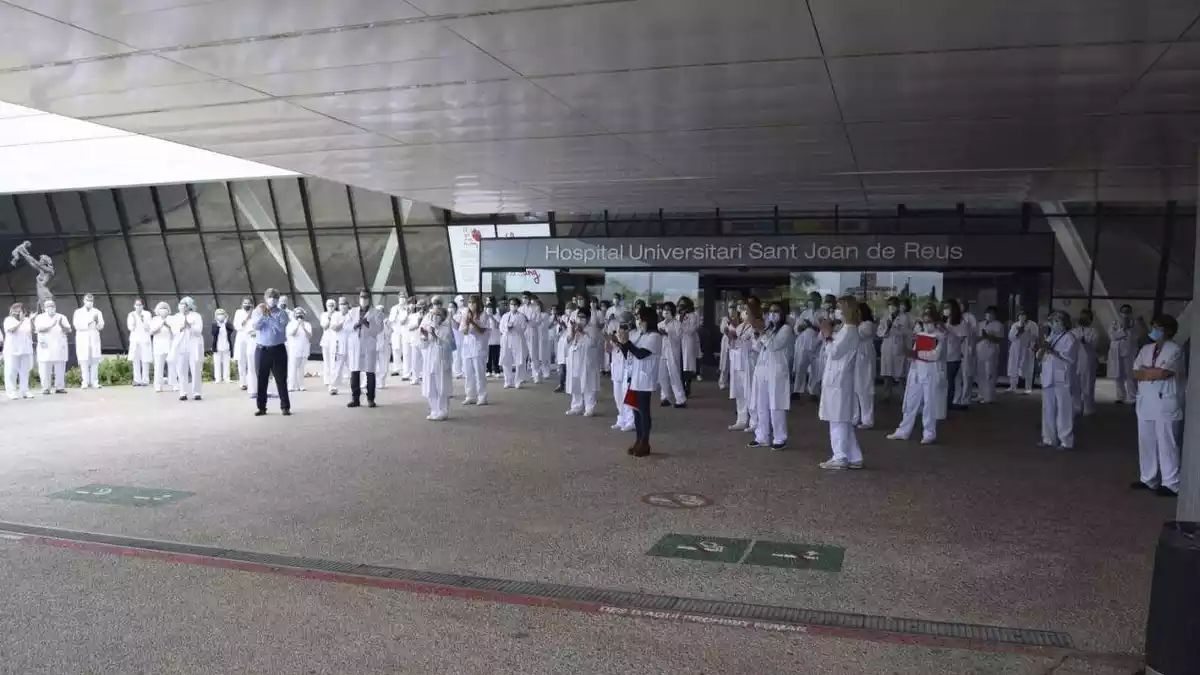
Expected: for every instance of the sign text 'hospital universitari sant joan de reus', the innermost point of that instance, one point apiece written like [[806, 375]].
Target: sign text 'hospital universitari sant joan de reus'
[[807, 251]]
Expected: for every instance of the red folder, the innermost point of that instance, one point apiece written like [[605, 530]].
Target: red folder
[[631, 398], [925, 343]]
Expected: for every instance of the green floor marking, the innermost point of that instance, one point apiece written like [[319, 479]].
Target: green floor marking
[[700, 547], [123, 495], [796, 556]]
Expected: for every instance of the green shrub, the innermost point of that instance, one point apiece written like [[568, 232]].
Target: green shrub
[[74, 377], [116, 371], [208, 368]]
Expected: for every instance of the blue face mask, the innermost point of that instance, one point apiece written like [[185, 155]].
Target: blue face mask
[[1056, 326], [1156, 334]]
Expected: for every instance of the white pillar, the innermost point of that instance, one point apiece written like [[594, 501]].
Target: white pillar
[[1189, 478]]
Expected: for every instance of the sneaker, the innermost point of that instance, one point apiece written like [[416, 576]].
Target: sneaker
[[834, 464], [749, 430], [244, 388], [371, 404], [755, 444], [680, 405], [482, 401], [28, 395], [779, 446], [46, 392], [664, 403], [1164, 491], [897, 437], [60, 391], [260, 413], [353, 404], [469, 401], [866, 426], [438, 418], [518, 385], [16, 398], [1139, 485], [158, 390], [96, 386], [507, 386], [628, 428], [286, 413], [615, 427], [1044, 444], [855, 465], [589, 413], [928, 441], [574, 411], [429, 417], [559, 389], [1065, 447], [333, 392], [737, 426], [197, 397], [183, 398]]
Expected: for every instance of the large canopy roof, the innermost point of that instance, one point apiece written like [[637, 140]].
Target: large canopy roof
[[584, 105]]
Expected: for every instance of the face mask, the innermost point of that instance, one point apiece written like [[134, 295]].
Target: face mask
[[364, 303], [813, 304], [438, 319], [745, 316], [829, 307], [989, 317], [137, 308], [162, 313], [893, 310], [51, 311], [513, 308], [1022, 318], [183, 309], [490, 310], [1157, 334], [272, 302], [773, 317], [221, 318], [246, 306], [837, 314], [1056, 326], [928, 320]]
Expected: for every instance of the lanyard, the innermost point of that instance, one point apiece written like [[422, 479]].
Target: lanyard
[[1157, 351]]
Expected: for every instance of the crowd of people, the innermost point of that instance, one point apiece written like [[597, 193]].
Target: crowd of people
[[832, 350]]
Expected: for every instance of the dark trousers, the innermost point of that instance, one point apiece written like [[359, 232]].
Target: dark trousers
[[562, 376], [952, 368], [355, 388], [641, 415], [688, 376], [272, 362], [493, 360]]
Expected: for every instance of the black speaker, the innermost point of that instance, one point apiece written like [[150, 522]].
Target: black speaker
[[1173, 626]]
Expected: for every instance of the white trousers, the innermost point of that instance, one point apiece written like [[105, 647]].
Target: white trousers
[[456, 364], [475, 374], [1058, 416], [670, 380], [624, 412], [53, 371], [743, 412], [800, 374], [985, 375], [221, 362], [723, 364], [397, 362], [89, 373], [966, 373], [1024, 370], [141, 370], [381, 366], [189, 370], [296, 373], [439, 400], [327, 364], [816, 369], [1085, 391], [844, 443], [1122, 372], [337, 372], [1158, 452], [923, 399], [412, 362], [865, 414], [585, 401], [160, 371], [245, 361], [514, 375], [772, 424], [16, 374]]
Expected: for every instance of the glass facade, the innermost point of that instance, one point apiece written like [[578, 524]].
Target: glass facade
[[219, 242], [314, 239]]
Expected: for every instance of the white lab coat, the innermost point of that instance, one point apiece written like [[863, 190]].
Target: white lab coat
[[839, 402], [925, 388], [1021, 338], [243, 341], [896, 334], [437, 380], [583, 364], [362, 350], [534, 339], [643, 373], [512, 339], [299, 340], [138, 324], [493, 322], [689, 337], [397, 318], [87, 335], [560, 355], [1160, 408], [772, 375], [1122, 351], [741, 369], [18, 336], [162, 335], [1058, 384], [52, 344], [987, 359], [864, 374], [187, 342], [806, 364], [1084, 384], [723, 360]]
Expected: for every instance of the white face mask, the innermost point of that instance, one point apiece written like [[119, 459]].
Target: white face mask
[[893, 310], [138, 308], [988, 316], [582, 320], [837, 314], [946, 313], [438, 319], [329, 307], [272, 302], [221, 318], [364, 303], [51, 310], [513, 308], [163, 313], [88, 304], [183, 309], [773, 317]]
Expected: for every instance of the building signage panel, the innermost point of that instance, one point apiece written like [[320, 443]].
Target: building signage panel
[[824, 252]]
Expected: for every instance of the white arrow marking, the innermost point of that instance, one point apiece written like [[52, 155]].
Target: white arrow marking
[[789, 556], [688, 548], [82, 492], [103, 491]]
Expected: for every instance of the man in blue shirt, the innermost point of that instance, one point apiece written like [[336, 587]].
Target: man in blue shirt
[[270, 355]]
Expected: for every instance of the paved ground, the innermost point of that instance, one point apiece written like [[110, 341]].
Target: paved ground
[[983, 528]]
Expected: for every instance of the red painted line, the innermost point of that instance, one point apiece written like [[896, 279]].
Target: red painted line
[[569, 605]]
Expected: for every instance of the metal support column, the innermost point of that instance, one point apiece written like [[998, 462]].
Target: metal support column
[[162, 232], [398, 221], [237, 225], [1164, 262], [1189, 473], [362, 264], [123, 217], [212, 282], [95, 243]]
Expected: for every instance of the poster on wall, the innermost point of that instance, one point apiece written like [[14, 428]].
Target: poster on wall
[[464, 252], [532, 280]]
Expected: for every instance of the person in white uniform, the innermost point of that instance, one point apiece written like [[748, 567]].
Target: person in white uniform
[[743, 359], [88, 322], [958, 332], [1122, 351], [299, 346], [512, 345], [187, 349], [337, 328], [493, 323], [328, 341], [437, 344], [52, 329], [895, 333], [839, 401], [1159, 369], [728, 321], [1088, 338], [18, 352], [454, 314], [412, 340], [361, 332], [536, 326], [560, 346], [966, 374], [395, 321], [808, 361], [141, 354], [222, 346], [244, 344], [641, 349], [475, 328], [162, 335], [623, 323], [925, 388], [1022, 336], [1059, 354], [864, 369], [987, 355], [583, 364], [773, 379], [690, 324], [670, 378], [383, 345]]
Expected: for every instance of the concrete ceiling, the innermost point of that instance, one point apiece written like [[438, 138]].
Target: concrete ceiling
[[634, 105]]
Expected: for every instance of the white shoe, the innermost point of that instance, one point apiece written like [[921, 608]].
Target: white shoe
[[302, 389], [469, 401], [616, 427], [628, 428], [737, 426], [17, 398], [333, 392], [519, 385], [438, 418], [96, 386], [507, 386], [29, 395], [589, 413], [834, 464], [928, 441], [897, 437], [749, 430], [429, 417], [574, 411]]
